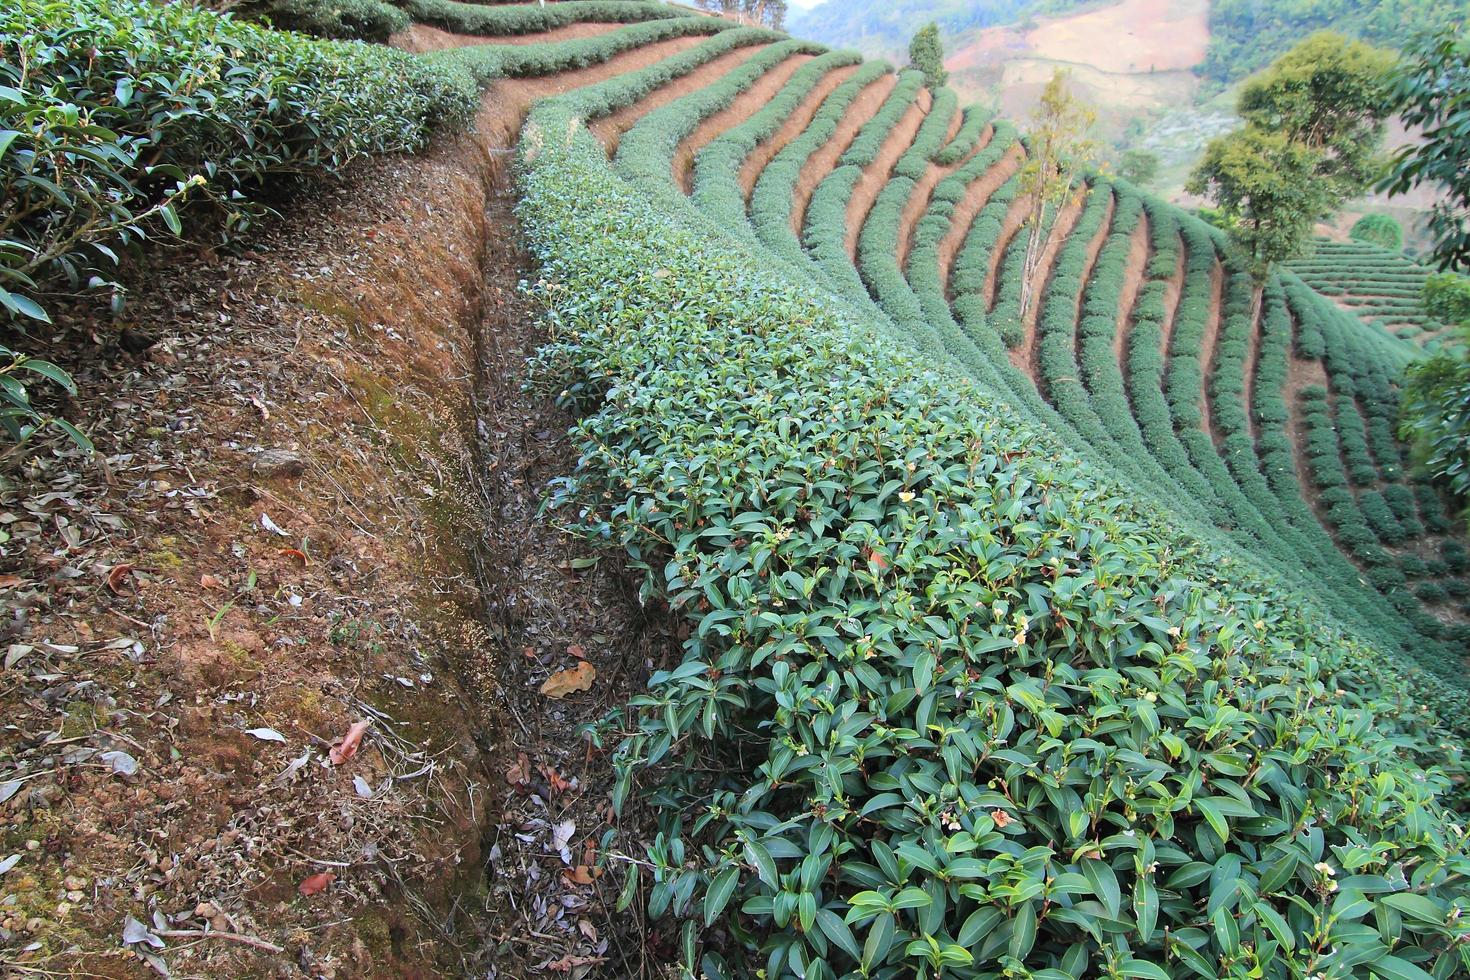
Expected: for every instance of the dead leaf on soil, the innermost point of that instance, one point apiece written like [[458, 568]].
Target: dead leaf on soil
[[564, 682], [581, 875], [569, 963], [10, 581], [294, 553], [316, 883], [117, 576], [207, 581], [578, 651], [555, 780], [347, 748], [519, 774]]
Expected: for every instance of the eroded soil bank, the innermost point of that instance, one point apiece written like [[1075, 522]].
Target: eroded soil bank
[[314, 504]]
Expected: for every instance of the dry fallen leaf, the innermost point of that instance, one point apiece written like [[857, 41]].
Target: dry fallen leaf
[[9, 581], [316, 883], [348, 747], [116, 577], [207, 581], [564, 682], [581, 875], [554, 780], [519, 774], [294, 553], [578, 651]]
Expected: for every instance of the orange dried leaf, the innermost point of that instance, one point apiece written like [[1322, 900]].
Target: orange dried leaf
[[581, 876], [564, 682], [519, 774], [316, 883], [9, 581], [1002, 819], [294, 553], [347, 748], [207, 581], [577, 650], [117, 576]]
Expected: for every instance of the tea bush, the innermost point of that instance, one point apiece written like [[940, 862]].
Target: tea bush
[[973, 709], [119, 113]]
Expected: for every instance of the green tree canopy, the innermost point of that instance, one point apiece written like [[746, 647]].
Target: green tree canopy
[[1266, 193], [1313, 124], [1380, 230], [1430, 89], [926, 53], [1138, 166]]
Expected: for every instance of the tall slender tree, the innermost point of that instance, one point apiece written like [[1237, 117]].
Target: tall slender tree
[[1059, 149]]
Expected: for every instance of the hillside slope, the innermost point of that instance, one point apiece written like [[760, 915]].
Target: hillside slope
[[1095, 636]]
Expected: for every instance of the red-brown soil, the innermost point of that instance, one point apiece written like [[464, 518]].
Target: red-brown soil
[[421, 38], [1135, 273], [1024, 355], [1208, 347], [794, 126], [824, 160], [923, 194], [876, 175], [748, 104], [1173, 290], [314, 503], [976, 197], [610, 128]]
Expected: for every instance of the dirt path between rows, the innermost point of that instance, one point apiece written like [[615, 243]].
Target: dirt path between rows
[[977, 195], [1089, 265], [315, 504], [1025, 355], [1207, 351], [876, 175], [1135, 274], [1248, 371], [923, 195], [421, 38], [824, 160], [1301, 374], [746, 105], [610, 128], [795, 124], [1010, 226], [1173, 291]]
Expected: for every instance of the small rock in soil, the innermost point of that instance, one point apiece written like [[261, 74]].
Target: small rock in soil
[[270, 463]]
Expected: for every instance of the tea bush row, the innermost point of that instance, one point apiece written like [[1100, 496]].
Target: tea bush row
[[124, 119], [948, 702]]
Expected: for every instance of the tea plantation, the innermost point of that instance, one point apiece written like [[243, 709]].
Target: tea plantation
[[1115, 638]]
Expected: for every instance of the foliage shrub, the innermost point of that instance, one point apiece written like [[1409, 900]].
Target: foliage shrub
[[1380, 230], [949, 705], [118, 112], [367, 20], [1446, 296]]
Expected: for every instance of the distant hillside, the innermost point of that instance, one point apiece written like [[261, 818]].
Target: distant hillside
[[884, 26], [1245, 35]]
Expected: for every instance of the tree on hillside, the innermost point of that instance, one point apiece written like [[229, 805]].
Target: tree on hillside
[[926, 53], [1313, 123], [1138, 166], [1430, 90], [1059, 148], [766, 13]]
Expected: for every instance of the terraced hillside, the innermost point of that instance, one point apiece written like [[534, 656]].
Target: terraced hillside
[[1380, 286], [1268, 422], [787, 288]]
